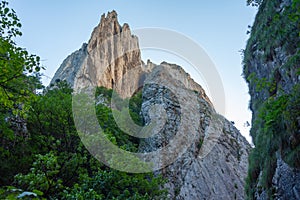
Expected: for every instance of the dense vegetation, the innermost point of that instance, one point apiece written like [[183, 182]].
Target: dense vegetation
[[41, 153], [275, 99]]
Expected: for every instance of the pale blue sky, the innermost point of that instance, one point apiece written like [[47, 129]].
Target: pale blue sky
[[53, 29]]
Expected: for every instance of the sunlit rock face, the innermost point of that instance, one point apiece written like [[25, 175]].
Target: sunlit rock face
[[209, 158], [111, 52], [214, 163]]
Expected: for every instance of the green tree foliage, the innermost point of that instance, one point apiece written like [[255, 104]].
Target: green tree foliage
[[135, 105], [275, 107], [12, 193], [116, 185], [41, 155], [16, 64], [275, 130], [19, 79], [69, 171], [42, 175], [50, 120]]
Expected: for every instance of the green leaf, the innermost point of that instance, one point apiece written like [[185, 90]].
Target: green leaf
[[6, 10], [38, 192]]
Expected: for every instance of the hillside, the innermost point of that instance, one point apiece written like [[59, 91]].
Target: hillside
[[271, 69]]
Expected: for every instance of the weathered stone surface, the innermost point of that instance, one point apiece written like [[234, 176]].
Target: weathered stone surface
[[209, 152], [286, 183], [214, 165], [111, 52], [70, 66], [272, 71]]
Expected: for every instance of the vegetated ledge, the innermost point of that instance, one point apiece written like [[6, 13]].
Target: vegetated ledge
[[272, 71], [215, 164]]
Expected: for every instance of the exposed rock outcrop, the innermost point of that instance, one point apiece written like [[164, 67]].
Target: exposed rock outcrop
[[215, 162], [208, 159], [272, 63], [111, 52], [70, 66]]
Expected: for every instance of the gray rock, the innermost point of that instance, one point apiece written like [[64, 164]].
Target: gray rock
[[286, 181], [214, 165], [70, 66], [111, 59], [203, 155], [274, 67]]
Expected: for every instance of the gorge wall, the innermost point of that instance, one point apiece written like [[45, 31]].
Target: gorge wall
[[272, 71], [215, 163], [111, 52]]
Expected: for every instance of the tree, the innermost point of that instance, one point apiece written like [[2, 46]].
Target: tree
[[18, 69], [19, 78], [69, 171]]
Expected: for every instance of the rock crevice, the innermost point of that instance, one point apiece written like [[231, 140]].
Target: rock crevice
[[208, 158]]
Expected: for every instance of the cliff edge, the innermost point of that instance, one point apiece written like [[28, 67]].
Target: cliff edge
[[271, 69]]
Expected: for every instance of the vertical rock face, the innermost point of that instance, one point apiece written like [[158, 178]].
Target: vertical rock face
[[203, 155], [111, 52], [271, 69], [214, 164], [70, 66]]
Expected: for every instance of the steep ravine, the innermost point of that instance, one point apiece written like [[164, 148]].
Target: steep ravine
[[215, 163], [272, 71]]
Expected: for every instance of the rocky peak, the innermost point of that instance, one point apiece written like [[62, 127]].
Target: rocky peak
[[111, 52], [107, 27], [210, 155], [112, 59], [215, 164]]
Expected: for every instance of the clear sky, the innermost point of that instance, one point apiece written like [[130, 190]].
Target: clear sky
[[53, 29]]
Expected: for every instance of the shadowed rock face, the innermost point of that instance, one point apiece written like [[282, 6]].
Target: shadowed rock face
[[271, 69], [209, 158], [214, 164], [70, 66]]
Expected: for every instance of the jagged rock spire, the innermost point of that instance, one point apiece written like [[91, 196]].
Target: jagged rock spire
[[111, 52], [215, 164]]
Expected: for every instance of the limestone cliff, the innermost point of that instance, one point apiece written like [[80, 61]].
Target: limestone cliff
[[214, 163], [71, 66], [111, 52], [271, 69]]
